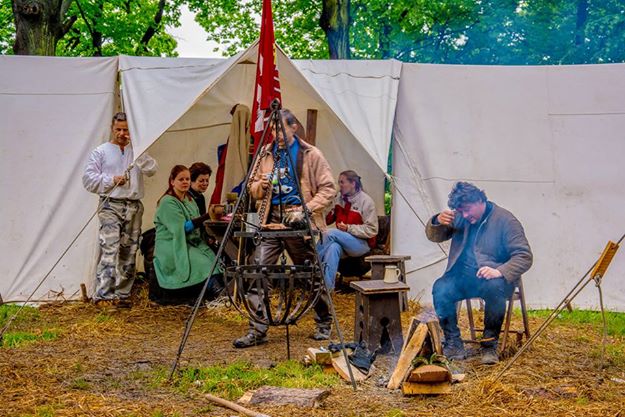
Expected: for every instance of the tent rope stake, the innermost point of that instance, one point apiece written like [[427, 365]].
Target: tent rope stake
[[98, 209], [596, 272]]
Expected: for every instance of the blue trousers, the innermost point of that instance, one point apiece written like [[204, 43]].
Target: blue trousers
[[334, 245], [459, 284]]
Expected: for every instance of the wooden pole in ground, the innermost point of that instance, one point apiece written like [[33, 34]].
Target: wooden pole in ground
[[234, 406], [83, 293]]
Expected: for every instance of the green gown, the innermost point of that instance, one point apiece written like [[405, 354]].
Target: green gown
[[180, 259]]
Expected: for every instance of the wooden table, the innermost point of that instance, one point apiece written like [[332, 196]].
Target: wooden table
[[217, 228]]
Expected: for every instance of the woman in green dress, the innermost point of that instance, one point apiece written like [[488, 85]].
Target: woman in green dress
[[182, 260]]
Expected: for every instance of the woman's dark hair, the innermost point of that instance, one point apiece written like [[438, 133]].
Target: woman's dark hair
[[119, 117], [199, 168], [353, 178], [465, 193], [177, 169]]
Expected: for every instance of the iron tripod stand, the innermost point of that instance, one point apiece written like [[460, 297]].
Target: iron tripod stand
[[270, 295]]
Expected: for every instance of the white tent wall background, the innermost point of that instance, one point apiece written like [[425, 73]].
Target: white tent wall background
[[53, 111], [545, 142], [179, 112]]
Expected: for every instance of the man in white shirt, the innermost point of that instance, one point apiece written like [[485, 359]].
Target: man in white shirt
[[109, 165]]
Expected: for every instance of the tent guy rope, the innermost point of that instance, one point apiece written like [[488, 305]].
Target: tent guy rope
[[98, 209]]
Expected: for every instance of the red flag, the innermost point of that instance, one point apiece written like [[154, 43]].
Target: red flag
[[267, 78]]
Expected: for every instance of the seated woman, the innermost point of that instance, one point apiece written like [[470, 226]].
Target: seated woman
[[182, 260], [200, 177], [356, 226]]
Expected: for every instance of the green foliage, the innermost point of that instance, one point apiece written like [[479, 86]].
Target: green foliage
[[15, 339], [395, 412], [43, 411], [234, 380], [21, 333], [80, 384], [27, 315], [615, 321], [102, 318], [507, 32], [388, 202], [7, 27], [235, 25], [112, 27]]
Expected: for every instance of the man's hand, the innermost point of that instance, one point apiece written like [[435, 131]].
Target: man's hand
[[446, 217], [341, 226], [264, 182], [119, 180], [487, 272]]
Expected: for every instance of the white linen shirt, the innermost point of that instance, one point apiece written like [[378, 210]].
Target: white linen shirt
[[107, 161]]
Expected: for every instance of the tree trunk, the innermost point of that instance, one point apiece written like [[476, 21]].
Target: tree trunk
[[39, 25], [384, 43], [335, 22], [151, 30], [580, 23]]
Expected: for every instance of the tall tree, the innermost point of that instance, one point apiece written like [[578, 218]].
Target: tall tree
[[39, 25], [335, 21]]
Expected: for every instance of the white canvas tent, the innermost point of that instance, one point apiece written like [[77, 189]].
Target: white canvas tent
[[188, 102], [545, 142], [53, 111], [179, 113]]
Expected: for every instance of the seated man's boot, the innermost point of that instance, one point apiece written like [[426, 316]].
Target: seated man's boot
[[453, 349], [489, 355], [249, 340]]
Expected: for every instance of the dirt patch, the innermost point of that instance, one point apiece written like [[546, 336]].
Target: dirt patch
[[105, 363]]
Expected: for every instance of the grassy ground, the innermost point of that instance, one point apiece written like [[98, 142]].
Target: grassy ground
[[615, 321], [75, 360]]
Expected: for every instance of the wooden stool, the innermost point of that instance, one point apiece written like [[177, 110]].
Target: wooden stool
[[378, 265], [517, 295], [378, 318]]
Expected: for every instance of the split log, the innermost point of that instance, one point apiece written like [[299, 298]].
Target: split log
[[411, 328], [276, 396], [236, 407], [404, 364], [415, 388], [322, 357], [430, 373], [340, 366], [436, 336]]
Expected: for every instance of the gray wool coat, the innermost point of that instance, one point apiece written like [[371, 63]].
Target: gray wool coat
[[500, 242]]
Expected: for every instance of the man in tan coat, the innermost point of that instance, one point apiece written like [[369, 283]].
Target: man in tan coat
[[274, 184]]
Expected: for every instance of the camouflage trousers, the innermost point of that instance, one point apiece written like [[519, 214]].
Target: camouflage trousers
[[120, 229]]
